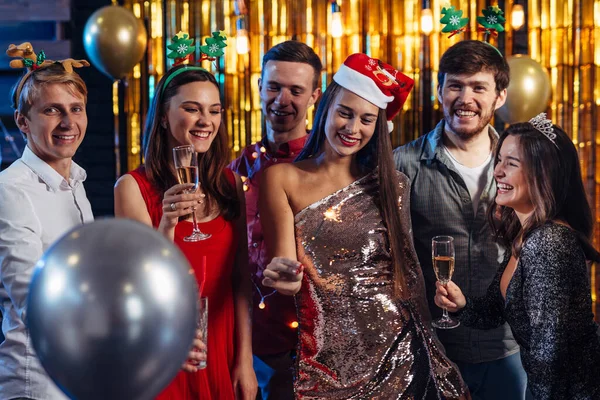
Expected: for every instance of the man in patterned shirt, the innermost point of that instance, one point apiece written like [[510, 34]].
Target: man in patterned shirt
[[451, 173], [289, 86]]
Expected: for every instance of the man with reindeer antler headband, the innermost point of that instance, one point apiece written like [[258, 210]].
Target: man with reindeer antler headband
[[41, 197], [451, 172]]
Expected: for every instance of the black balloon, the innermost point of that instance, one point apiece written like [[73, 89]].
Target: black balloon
[[112, 311]]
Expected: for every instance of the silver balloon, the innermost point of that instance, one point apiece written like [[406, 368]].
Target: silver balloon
[[112, 311]]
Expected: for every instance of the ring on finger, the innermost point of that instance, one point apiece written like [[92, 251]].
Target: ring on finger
[[173, 207]]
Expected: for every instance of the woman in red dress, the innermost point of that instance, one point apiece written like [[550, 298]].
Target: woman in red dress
[[187, 111]]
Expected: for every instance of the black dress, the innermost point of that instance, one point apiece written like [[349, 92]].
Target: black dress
[[549, 309]]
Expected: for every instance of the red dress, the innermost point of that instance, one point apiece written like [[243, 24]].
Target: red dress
[[213, 382]]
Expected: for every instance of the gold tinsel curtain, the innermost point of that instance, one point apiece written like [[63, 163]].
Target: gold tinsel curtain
[[385, 29], [563, 36]]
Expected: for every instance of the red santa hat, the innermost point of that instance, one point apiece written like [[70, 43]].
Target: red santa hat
[[375, 81]]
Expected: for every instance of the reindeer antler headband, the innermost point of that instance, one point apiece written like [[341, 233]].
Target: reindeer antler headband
[[26, 58]]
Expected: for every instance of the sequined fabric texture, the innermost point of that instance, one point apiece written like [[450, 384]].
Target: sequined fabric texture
[[549, 309], [356, 340]]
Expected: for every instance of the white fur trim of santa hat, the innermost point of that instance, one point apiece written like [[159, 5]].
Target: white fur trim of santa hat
[[361, 85]]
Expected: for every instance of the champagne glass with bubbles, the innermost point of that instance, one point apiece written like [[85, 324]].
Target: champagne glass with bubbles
[[442, 252], [185, 159]]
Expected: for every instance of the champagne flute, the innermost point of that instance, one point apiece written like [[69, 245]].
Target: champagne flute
[[186, 165], [442, 252], [202, 325]]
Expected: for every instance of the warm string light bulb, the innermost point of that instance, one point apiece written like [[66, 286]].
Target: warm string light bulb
[[241, 39], [426, 21], [517, 18], [336, 20]]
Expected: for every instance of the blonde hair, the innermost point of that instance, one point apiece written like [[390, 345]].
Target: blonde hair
[[27, 89]]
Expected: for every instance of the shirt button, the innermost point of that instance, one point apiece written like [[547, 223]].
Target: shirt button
[[254, 244]]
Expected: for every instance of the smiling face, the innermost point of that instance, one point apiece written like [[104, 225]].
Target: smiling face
[[194, 115], [511, 179], [469, 102], [55, 125], [286, 92], [350, 123]]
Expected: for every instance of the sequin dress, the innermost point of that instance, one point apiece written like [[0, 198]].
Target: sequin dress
[[549, 309], [356, 341]]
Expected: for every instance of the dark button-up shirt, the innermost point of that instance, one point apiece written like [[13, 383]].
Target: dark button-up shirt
[[441, 205], [274, 326]]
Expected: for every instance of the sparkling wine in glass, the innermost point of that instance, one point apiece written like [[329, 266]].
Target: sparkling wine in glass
[[442, 252], [186, 165]]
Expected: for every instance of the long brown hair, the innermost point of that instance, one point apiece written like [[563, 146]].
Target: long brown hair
[[377, 154], [555, 186], [211, 164]]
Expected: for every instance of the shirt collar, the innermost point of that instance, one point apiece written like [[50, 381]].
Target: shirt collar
[[288, 149], [434, 142], [49, 176]]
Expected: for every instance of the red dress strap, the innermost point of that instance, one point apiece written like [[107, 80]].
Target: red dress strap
[[150, 194]]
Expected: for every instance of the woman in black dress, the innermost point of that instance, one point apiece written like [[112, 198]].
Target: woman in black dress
[[542, 289]]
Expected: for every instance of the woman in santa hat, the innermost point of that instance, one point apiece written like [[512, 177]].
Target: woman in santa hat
[[337, 224]]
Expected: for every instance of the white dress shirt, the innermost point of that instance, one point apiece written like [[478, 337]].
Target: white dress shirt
[[37, 206]]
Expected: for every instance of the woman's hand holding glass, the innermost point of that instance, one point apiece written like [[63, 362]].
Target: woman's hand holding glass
[[442, 257], [185, 160], [449, 296], [197, 355], [284, 275], [177, 202]]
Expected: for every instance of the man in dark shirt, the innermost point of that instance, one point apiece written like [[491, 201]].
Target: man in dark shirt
[[452, 186], [289, 86]]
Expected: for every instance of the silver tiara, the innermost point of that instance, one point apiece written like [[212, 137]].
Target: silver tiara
[[544, 125]]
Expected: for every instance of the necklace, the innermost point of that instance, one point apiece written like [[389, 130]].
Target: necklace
[[262, 305]]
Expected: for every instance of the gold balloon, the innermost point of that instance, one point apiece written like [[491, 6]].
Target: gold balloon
[[528, 91], [115, 40]]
